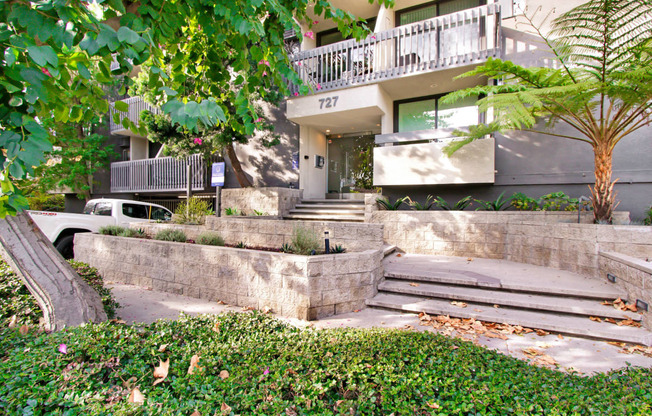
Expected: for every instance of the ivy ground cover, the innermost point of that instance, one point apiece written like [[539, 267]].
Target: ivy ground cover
[[251, 363]]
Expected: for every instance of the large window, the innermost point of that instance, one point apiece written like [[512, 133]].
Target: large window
[[433, 9], [426, 113]]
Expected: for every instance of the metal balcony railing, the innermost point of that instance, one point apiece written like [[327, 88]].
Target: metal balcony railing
[[157, 175], [136, 106], [457, 39]]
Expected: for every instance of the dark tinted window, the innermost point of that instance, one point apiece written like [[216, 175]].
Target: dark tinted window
[[135, 211], [103, 208], [161, 214], [88, 209]]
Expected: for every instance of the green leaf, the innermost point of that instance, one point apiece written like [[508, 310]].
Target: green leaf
[[83, 70], [121, 106], [43, 55], [10, 56], [127, 35], [169, 91], [11, 88], [15, 101]]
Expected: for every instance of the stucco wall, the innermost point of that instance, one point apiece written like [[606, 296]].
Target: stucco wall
[[303, 287]]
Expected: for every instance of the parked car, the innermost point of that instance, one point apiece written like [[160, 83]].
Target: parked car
[[60, 227]]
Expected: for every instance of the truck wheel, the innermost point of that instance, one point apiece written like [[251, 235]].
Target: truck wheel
[[65, 247]]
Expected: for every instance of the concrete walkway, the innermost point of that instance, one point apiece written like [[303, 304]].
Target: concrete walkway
[[582, 355]]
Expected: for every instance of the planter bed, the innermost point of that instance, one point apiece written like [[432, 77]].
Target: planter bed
[[303, 287]]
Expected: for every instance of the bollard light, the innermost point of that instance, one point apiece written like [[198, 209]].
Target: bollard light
[[327, 244]]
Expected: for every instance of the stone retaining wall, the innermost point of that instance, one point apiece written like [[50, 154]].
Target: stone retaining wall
[[275, 202], [262, 232], [542, 238], [303, 287], [633, 275]]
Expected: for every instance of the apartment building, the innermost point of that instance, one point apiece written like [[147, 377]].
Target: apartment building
[[384, 93]]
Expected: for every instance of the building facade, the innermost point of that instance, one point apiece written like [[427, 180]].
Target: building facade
[[380, 99]]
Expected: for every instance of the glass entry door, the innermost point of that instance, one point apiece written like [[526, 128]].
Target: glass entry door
[[349, 164]]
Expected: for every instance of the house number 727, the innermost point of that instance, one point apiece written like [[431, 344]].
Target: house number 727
[[328, 102]]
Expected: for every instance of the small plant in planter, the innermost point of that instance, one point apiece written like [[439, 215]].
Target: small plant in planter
[[241, 244], [305, 241], [287, 248], [338, 249], [132, 233], [171, 235], [231, 211], [460, 205], [114, 230], [522, 202], [498, 205], [210, 238], [387, 205], [648, 219], [259, 213], [430, 201]]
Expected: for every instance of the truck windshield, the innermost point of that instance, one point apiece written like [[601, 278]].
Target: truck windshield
[[88, 209]]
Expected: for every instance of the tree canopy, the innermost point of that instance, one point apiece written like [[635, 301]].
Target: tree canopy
[[49, 47]]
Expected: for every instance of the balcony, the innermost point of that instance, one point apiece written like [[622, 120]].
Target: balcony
[[164, 174], [458, 39], [136, 106]]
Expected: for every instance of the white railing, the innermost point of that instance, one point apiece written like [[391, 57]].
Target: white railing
[[457, 39], [159, 174], [136, 106]]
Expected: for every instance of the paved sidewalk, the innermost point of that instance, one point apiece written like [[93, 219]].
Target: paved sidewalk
[[582, 355]]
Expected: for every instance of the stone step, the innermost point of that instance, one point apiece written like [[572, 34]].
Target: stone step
[[333, 201], [574, 306], [357, 207], [388, 249], [327, 211], [469, 278], [548, 321], [325, 217]]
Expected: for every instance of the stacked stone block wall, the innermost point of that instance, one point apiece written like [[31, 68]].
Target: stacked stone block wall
[[276, 202], [633, 275], [273, 233], [303, 287]]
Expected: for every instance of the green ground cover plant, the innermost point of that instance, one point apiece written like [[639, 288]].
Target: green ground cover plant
[[648, 217], [18, 305], [114, 230], [253, 364], [171, 235]]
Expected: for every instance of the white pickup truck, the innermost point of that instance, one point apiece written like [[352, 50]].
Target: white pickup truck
[[60, 227]]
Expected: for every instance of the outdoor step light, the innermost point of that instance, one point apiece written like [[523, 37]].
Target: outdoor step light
[[327, 245], [641, 305], [611, 278]]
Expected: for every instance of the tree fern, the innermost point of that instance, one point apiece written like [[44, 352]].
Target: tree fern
[[602, 88]]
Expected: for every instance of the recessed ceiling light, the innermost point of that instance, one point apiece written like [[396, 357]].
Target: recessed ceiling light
[[378, 124], [328, 131]]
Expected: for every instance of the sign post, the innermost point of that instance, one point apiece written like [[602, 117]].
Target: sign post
[[217, 180]]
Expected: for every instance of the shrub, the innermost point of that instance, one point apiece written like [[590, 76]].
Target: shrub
[[47, 202], [171, 235], [132, 233], [274, 366], [112, 230], [522, 202], [192, 211], [305, 241], [648, 219], [15, 299], [557, 201], [210, 238]]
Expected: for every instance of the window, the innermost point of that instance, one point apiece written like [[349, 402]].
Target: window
[[135, 211], [428, 113], [330, 36], [433, 9], [88, 209], [103, 208], [161, 214]]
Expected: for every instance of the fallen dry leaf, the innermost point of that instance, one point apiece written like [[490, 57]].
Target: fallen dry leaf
[[220, 302], [136, 397], [414, 284], [617, 344], [194, 364], [433, 405], [469, 259], [247, 308], [12, 321], [607, 303], [477, 310], [611, 321], [291, 411], [410, 327], [161, 372], [266, 310], [541, 332], [399, 255], [560, 336], [216, 327], [595, 319], [24, 330], [424, 317], [162, 348], [226, 409], [224, 374], [459, 304], [496, 306], [629, 322], [195, 413], [357, 310], [545, 359], [532, 352]]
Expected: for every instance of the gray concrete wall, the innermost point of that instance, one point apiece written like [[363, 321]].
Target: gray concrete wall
[[273, 201], [303, 287]]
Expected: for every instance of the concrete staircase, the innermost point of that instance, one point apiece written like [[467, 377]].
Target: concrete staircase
[[328, 210], [561, 305]]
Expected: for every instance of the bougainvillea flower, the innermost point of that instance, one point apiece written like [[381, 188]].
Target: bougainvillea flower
[[63, 348], [46, 72], [310, 35], [197, 140], [263, 62]]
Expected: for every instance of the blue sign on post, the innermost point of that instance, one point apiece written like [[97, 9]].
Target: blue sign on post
[[217, 174]]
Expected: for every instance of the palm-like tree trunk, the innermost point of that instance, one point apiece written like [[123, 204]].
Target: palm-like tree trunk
[[603, 193], [237, 167]]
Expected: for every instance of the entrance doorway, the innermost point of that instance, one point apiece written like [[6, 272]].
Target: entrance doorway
[[350, 163]]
